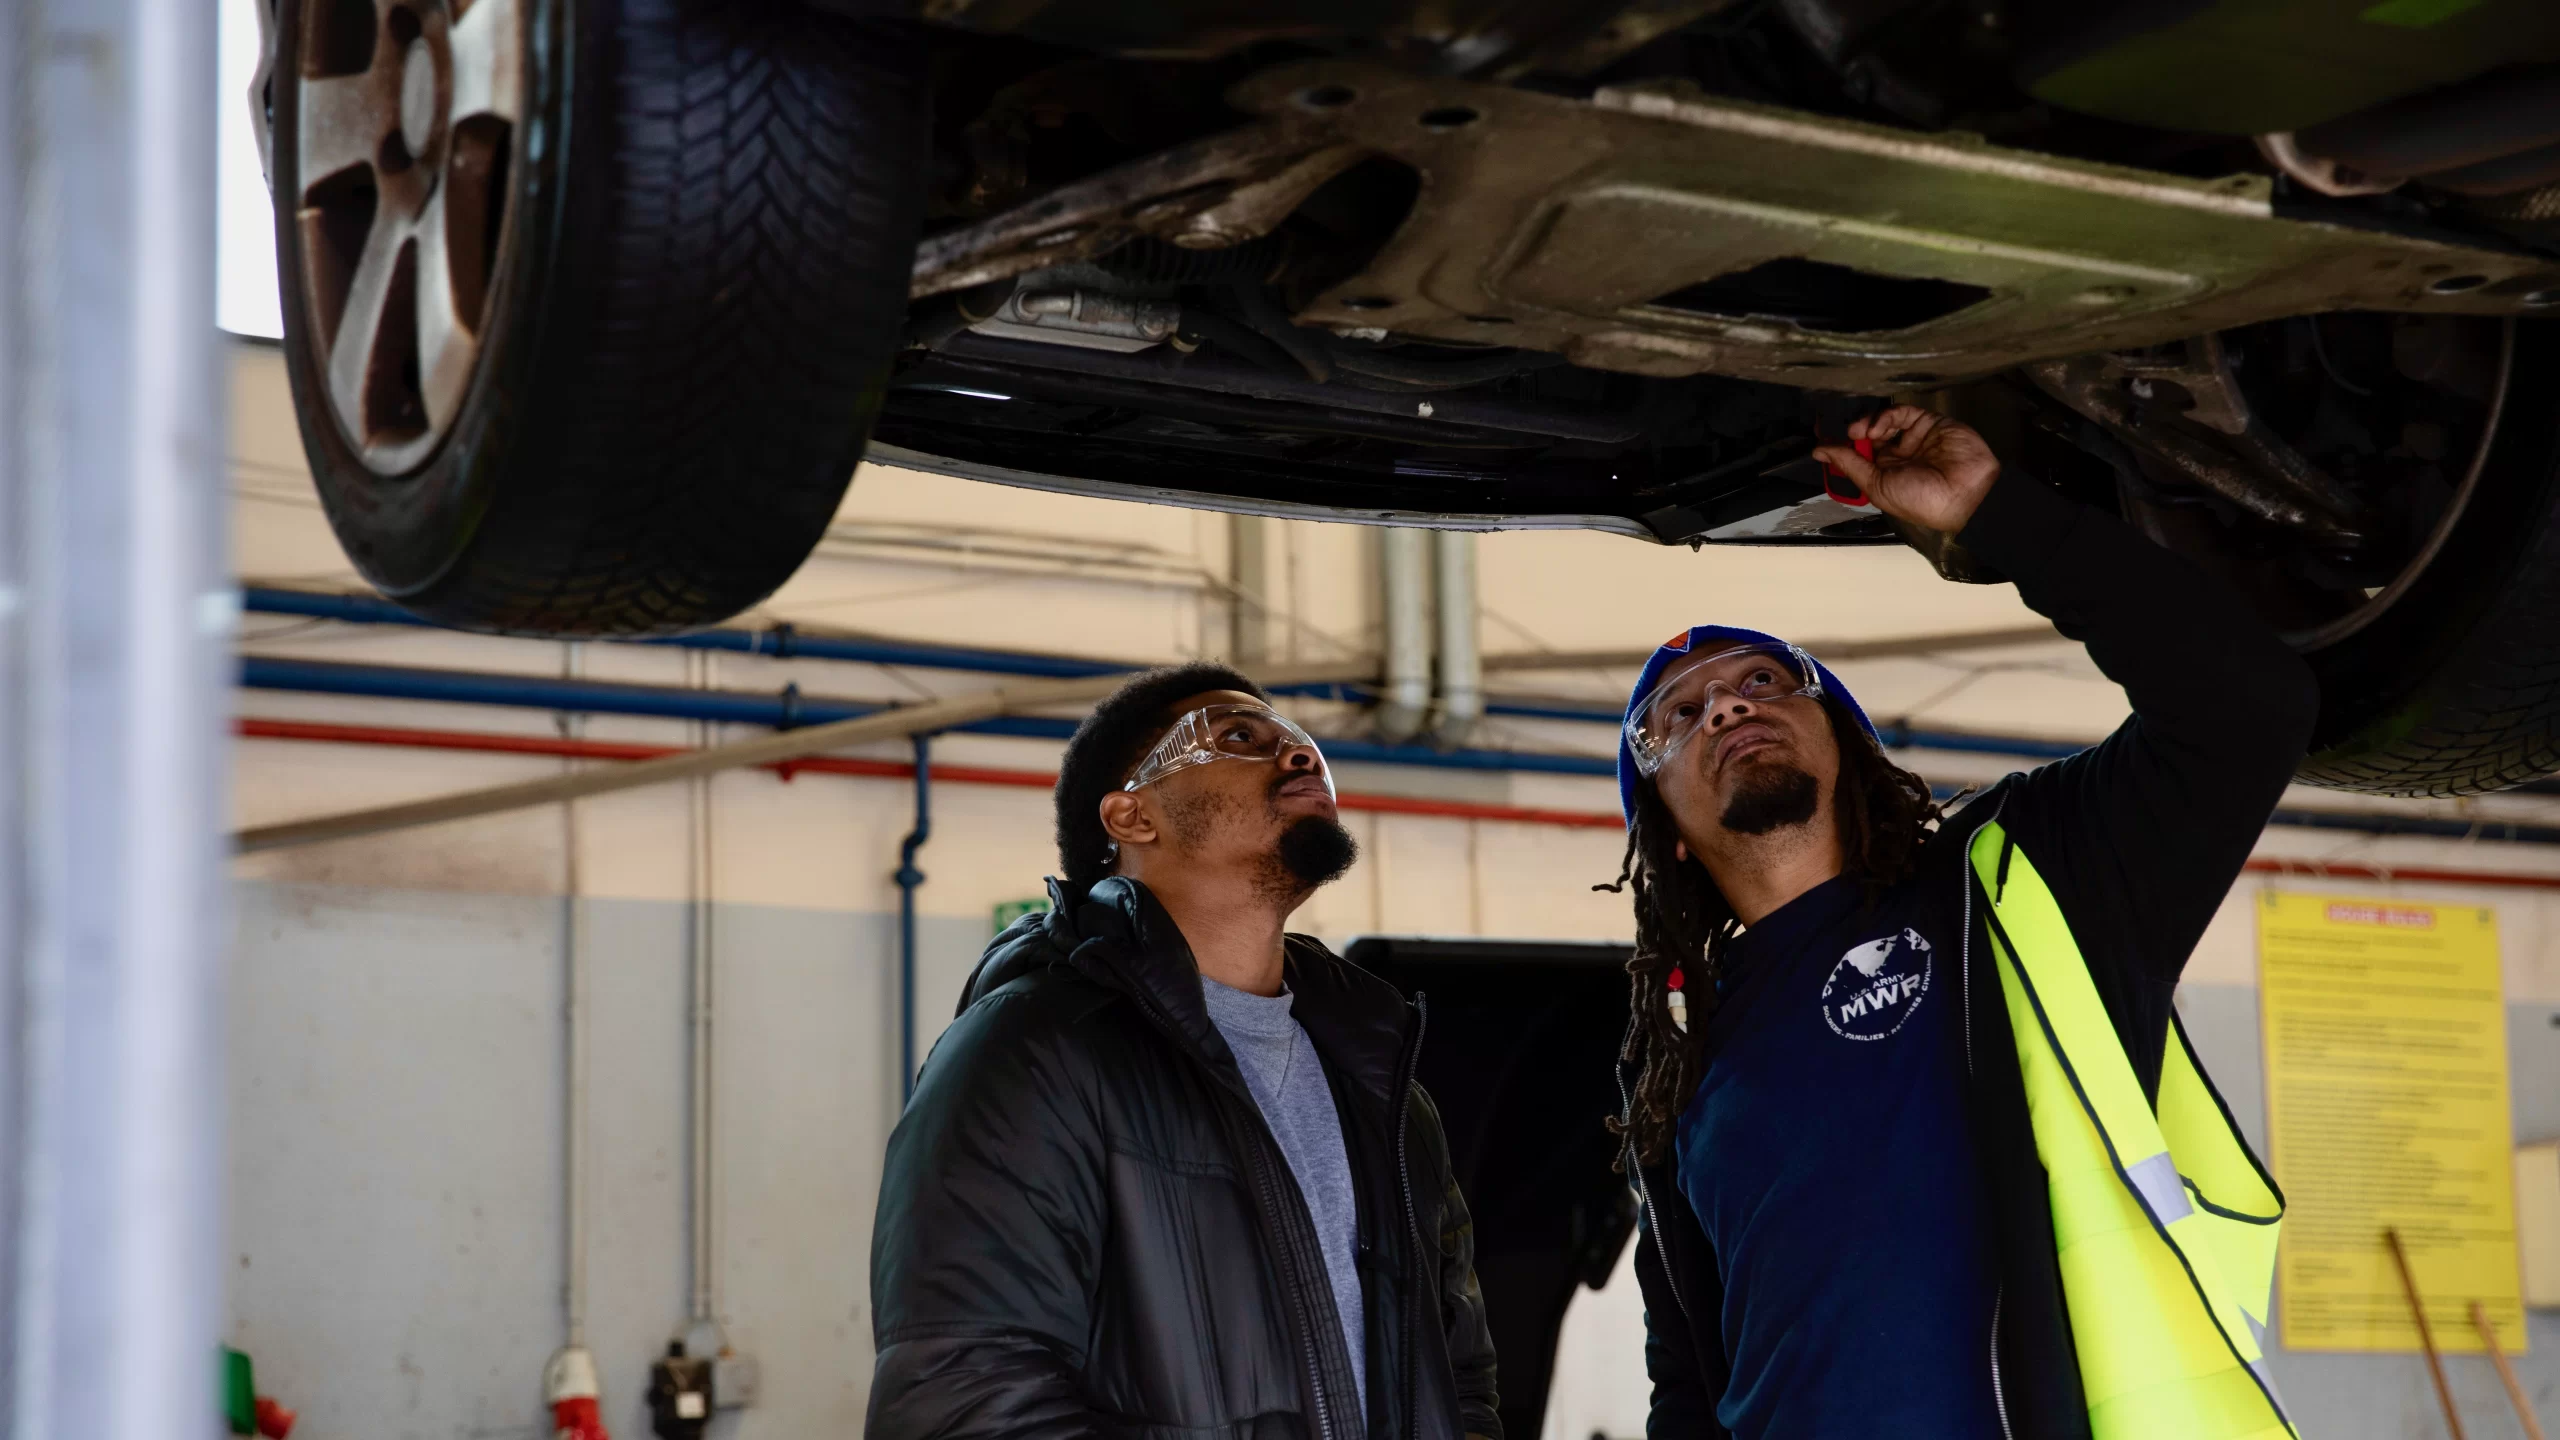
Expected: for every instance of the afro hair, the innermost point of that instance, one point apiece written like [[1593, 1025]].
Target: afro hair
[[1110, 743]]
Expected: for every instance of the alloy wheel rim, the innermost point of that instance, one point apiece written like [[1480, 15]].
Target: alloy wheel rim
[[404, 130]]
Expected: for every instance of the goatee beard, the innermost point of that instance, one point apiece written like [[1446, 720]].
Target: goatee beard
[[1772, 800], [1311, 854]]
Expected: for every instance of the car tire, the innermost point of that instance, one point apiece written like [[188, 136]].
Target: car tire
[[2455, 689], [588, 304]]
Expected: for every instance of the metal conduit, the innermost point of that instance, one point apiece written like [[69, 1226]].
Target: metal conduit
[[788, 709], [1461, 651], [782, 641], [909, 878], [785, 642], [1404, 589]]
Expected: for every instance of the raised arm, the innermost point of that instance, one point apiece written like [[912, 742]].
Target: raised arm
[[983, 1253], [2141, 835], [2149, 828]]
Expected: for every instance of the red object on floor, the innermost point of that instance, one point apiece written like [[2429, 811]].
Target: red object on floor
[[576, 1418], [274, 1421]]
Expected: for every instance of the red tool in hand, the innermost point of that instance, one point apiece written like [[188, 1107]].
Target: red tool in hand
[[1832, 473]]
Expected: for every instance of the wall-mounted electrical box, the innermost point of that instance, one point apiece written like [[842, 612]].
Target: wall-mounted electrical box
[[2538, 1222]]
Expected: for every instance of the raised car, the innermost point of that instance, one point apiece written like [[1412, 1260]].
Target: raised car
[[591, 306]]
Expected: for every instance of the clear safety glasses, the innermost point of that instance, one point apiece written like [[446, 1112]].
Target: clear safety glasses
[[1682, 699], [1225, 732]]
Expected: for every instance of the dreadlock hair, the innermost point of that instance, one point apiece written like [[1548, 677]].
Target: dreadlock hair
[[1110, 743], [1684, 922]]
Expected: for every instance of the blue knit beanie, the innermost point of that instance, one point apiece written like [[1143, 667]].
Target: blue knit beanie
[[1707, 640]]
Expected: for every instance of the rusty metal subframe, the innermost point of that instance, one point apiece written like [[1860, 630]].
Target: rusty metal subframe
[[1564, 221], [1208, 194], [1556, 224]]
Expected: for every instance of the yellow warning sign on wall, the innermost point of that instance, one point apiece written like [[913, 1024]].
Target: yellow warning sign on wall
[[2386, 1049]]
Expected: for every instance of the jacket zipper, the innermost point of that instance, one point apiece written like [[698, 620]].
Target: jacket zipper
[[1964, 972], [1306, 1338], [1419, 1277], [1265, 1191], [1999, 1401]]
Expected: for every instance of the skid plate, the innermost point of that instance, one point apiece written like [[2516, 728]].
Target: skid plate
[[1561, 225]]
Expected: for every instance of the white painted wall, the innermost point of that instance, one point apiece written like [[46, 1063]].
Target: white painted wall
[[398, 1057]]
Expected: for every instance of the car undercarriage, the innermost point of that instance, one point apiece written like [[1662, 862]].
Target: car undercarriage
[[2262, 276]]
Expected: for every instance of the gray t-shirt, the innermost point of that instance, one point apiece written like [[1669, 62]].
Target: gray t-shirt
[[1287, 1080]]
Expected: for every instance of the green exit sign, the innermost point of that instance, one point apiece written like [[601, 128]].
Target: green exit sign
[[1008, 911]]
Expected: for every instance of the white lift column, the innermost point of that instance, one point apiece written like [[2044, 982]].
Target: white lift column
[[114, 616]]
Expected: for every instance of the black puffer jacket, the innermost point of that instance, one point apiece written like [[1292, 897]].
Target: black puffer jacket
[[1086, 1229]]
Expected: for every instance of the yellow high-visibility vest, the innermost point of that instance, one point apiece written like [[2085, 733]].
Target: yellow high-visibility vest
[[2164, 1224]]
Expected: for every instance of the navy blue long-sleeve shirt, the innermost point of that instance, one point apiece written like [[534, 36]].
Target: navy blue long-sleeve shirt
[[1757, 1325]]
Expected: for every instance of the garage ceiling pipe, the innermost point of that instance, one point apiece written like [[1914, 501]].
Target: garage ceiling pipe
[[785, 642], [897, 723], [2367, 823], [1461, 655], [1404, 600], [782, 642], [402, 682]]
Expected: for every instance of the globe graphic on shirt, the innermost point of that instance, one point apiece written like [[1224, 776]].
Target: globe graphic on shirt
[[1877, 986]]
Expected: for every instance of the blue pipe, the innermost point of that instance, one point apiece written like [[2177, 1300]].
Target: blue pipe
[[784, 710], [790, 708], [781, 641], [908, 878]]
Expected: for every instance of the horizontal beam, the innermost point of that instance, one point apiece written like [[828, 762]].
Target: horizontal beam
[[256, 728], [782, 745], [253, 728], [779, 710]]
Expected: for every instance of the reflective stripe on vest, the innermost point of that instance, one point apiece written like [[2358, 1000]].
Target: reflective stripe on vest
[[2164, 1224]]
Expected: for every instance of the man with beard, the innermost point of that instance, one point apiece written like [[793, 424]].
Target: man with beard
[[1169, 1170], [1922, 1149]]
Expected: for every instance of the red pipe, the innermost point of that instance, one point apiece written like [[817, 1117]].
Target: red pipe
[[2414, 874], [261, 729]]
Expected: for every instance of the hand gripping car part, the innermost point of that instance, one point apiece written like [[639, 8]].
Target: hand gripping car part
[[1832, 473], [1662, 722], [569, 1387], [1702, 639], [1226, 732]]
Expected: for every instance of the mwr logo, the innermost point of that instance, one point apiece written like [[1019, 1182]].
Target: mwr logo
[[1877, 986]]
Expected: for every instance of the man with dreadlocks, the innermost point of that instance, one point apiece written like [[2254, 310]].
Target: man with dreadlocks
[[1918, 1153]]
